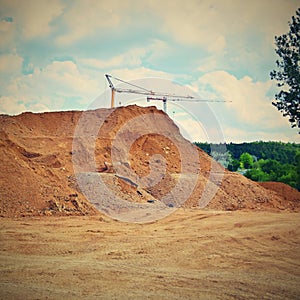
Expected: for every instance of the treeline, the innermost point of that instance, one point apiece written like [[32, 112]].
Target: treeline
[[282, 152], [259, 161]]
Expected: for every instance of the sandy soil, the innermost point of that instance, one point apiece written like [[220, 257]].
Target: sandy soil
[[283, 190], [189, 255], [39, 153], [54, 244]]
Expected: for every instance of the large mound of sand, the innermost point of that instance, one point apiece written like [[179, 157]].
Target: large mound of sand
[[37, 158]]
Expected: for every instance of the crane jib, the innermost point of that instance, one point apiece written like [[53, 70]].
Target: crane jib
[[164, 97]]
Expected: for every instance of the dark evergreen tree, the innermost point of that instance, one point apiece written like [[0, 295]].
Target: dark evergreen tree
[[287, 74]]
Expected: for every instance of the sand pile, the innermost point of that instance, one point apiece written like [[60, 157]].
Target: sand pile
[[38, 154], [285, 191]]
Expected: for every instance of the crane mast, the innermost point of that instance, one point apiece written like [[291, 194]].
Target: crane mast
[[112, 102], [163, 99]]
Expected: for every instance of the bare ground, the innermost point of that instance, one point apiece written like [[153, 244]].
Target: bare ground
[[54, 244], [191, 254]]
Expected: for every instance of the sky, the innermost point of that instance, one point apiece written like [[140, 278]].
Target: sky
[[54, 55]]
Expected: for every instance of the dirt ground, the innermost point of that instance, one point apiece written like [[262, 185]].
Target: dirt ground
[[55, 244], [191, 254]]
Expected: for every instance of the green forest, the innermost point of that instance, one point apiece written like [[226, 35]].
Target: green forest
[[259, 161]]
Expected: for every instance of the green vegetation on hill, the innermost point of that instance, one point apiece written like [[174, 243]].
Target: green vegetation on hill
[[259, 161]]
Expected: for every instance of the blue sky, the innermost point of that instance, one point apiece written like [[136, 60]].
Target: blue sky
[[54, 54]]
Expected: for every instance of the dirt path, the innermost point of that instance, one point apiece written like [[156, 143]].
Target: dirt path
[[188, 255]]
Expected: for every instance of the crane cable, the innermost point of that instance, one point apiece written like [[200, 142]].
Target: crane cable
[[200, 100], [181, 98], [118, 79]]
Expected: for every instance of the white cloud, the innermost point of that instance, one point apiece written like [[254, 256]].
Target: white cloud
[[5, 25], [218, 45], [199, 36], [102, 64], [208, 64], [250, 103], [90, 17], [7, 30], [11, 106], [60, 77], [250, 115], [11, 64], [132, 58], [141, 72], [205, 23], [49, 88], [193, 23], [240, 135], [33, 17], [190, 128], [209, 23], [38, 107]]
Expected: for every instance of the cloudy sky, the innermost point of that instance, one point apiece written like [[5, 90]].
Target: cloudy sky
[[54, 54]]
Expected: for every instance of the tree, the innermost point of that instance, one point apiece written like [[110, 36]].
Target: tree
[[297, 159], [234, 165], [257, 175], [287, 76], [246, 160], [223, 158], [270, 165]]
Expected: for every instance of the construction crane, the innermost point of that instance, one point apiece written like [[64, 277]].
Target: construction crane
[[151, 95]]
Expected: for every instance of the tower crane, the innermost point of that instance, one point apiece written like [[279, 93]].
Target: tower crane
[[151, 95]]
